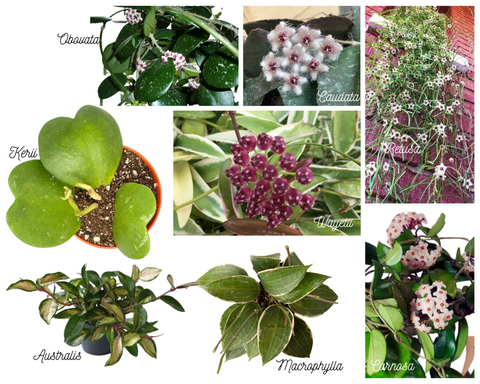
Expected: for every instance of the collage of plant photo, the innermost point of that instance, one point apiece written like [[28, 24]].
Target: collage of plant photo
[[189, 195]]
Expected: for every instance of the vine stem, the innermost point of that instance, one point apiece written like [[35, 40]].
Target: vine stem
[[177, 207], [205, 26], [348, 42], [235, 125]]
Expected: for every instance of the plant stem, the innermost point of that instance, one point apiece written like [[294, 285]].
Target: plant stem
[[235, 125], [348, 42], [177, 207], [327, 147], [205, 26]]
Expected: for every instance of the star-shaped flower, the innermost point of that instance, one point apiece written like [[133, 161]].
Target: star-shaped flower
[[280, 36], [330, 47]]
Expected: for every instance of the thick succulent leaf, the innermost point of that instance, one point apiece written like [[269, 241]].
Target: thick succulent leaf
[[307, 98], [462, 338], [86, 149], [261, 263], [117, 350], [256, 46], [74, 326], [47, 309], [220, 69], [344, 130], [149, 347], [444, 347], [199, 145], [39, 216], [227, 193], [149, 274], [301, 342], [377, 351], [211, 204], [438, 226], [220, 272], [171, 98], [309, 283], [207, 95], [398, 355], [274, 331], [240, 289], [24, 285], [282, 280], [241, 326], [182, 190], [204, 50], [135, 206], [316, 302], [190, 40], [340, 86], [428, 348], [127, 41], [392, 316], [109, 86], [155, 81], [258, 227]]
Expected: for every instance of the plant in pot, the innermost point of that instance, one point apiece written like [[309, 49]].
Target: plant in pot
[[267, 173], [264, 319], [105, 312], [79, 154], [303, 62], [170, 56], [417, 301]]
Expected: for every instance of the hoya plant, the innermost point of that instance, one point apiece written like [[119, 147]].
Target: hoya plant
[[96, 306], [294, 62], [264, 321], [417, 300], [266, 173], [82, 153], [170, 56], [419, 147]]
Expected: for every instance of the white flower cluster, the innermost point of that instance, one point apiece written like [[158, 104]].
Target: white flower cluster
[[440, 171], [419, 257], [178, 59], [430, 307], [403, 221], [469, 263], [371, 168], [133, 17], [192, 82], [140, 66], [298, 52]]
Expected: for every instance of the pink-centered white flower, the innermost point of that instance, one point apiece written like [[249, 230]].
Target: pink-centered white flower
[[280, 36], [419, 257], [133, 17], [140, 66], [294, 57], [402, 222], [330, 47], [293, 82], [192, 82], [307, 37], [314, 66], [270, 66]]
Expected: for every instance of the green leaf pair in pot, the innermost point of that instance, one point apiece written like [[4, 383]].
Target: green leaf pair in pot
[[108, 306], [82, 153], [264, 321]]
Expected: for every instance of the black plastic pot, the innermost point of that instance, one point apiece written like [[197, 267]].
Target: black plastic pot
[[98, 348]]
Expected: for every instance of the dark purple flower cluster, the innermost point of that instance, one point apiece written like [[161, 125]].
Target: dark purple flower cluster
[[259, 184]]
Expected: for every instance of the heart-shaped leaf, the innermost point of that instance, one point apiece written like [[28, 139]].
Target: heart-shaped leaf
[[240, 289], [274, 331], [220, 70], [155, 81], [301, 342], [86, 149], [39, 216], [135, 205], [258, 227], [282, 280], [316, 302]]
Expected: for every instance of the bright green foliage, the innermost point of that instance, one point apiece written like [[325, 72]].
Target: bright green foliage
[[266, 324], [110, 305]]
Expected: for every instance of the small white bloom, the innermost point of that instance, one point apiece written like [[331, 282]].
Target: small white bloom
[[280, 36]]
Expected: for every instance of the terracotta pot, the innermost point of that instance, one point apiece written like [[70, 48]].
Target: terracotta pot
[[159, 199]]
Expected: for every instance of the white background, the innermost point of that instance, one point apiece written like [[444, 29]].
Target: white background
[[41, 80]]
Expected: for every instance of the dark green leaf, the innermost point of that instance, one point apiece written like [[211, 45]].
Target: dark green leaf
[[74, 326], [99, 19], [220, 272], [79, 339], [398, 355], [417, 372], [316, 302], [461, 338], [172, 302], [206, 49], [213, 97], [127, 41], [261, 263], [68, 287], [274, 331], [256, 46], [220, 69], [307, 98], [164, 34], [139, 317], [437, 227], [155, 81], [444, 347], [109, 86], [309, 283], [133, 350], [377, 276], [190, 40], [127, 283], [403, 294], [171, 98], [145, 296], [282, 280], [301, 342], [470, 296], [241, 325], [67, 313], [292, 259], [239, 289]]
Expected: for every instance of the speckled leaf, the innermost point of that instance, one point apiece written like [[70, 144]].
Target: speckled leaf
[[220, 272], [171, 98], [127, 41], [86, 149], [155, 81], [190, 40], [282, 280], [206, 49], [344, 130], [274, 331], [47, 309], [39, 216], [182, 190], [301, 342], [214, 97], [342, 81], [227, 193], [258, 228], [239, 289], [220, 69], [261, 263], [255, 48], [310, 282], [316, 302], [135, 205], [211, 204], [109, 87]]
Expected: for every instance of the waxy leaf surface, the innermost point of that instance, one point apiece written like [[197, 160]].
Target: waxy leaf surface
[[316, 302], [274, 331], [240, 289], [301, 342], [282, 280]]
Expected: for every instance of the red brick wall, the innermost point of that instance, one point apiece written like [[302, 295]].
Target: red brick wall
[[462, 37]]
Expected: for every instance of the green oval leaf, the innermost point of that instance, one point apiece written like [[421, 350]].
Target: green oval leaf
[[220, 272], [344, 130], [282, 280], [258, 227], [171, 98], [394, 255], [437, 227], [109, 86], [70, 149], [241, 325], [398, 355], [316, 302], [171, 301], [392, 316], [309, 283], [301, 342], [190, 40], [444, 347], [240, 289], [377, 352], [155, 81], [214, 97], [74, 326], [135, 206], [220, 70], [206, 49], [261, 263], [274, 331]]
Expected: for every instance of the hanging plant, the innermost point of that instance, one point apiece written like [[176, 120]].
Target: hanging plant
[[170, 56]]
